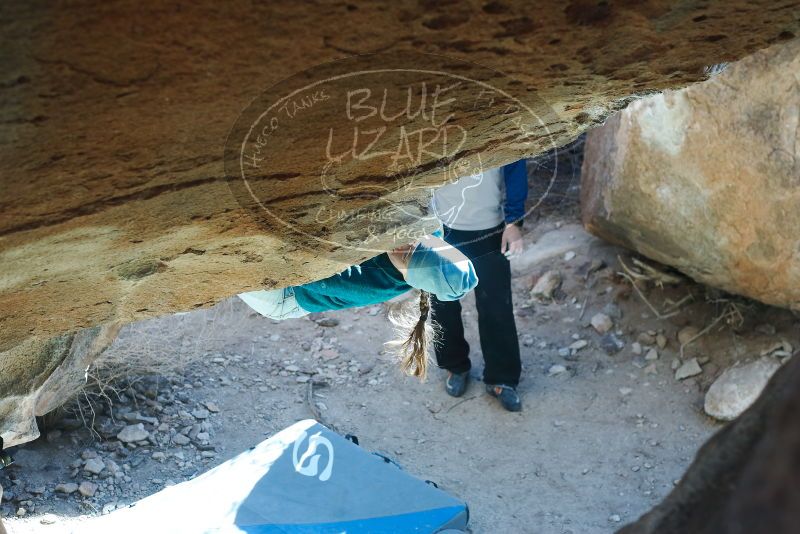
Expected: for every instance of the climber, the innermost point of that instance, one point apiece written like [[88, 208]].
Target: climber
[[482, 215], [428, 264]]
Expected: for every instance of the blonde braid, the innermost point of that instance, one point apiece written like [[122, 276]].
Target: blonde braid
[[414, 349]]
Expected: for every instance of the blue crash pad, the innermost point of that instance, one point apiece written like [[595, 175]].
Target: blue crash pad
[[304, 479]]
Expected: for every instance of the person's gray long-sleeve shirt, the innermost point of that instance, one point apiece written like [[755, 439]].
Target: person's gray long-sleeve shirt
[[484, 200]]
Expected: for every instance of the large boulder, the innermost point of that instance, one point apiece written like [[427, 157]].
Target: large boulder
[[707, 179], [746, 478], [115, 205], [37, 376]]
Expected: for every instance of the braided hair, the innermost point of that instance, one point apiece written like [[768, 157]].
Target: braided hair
[[413, 350]]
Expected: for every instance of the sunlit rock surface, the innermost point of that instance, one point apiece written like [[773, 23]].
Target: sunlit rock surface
[[115, 205], [707, 179]]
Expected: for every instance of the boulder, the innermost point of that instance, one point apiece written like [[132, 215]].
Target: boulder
[[39, 375], [738, 387], [707, 179], [117, 204], [746, 477]]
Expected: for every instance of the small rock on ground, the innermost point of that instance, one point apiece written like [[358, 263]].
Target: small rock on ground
[[94, 466], [200, 414], [67, 488], [646, 338], [327, 322], [738, 387], [87, 489], [688, 369], [546, 285], [329, 354], [602, 323], [133, 433], [578, 345], [611, 343]]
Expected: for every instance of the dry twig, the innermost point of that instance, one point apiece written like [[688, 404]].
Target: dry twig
[[653, 275], [730, 313], [658, 276], [312, 406]]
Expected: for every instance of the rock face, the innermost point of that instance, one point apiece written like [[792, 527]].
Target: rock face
[[746, 477], [116, 206], [707, 179], [738, 387], [38, 375]]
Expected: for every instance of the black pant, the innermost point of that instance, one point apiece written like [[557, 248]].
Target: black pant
[[498, 332]]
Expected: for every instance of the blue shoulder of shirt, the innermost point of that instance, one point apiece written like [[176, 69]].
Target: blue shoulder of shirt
[[515, 176]]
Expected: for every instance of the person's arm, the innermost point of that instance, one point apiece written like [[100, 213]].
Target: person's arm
[[431, 264], [515, 176]]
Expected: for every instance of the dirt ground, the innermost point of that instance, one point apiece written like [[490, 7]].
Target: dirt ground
[[603, 435]]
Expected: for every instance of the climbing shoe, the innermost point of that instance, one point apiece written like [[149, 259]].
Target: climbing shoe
[[456, 383], [507, 396]]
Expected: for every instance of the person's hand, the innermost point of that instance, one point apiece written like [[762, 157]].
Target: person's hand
[[400, 258], [511, 244]]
